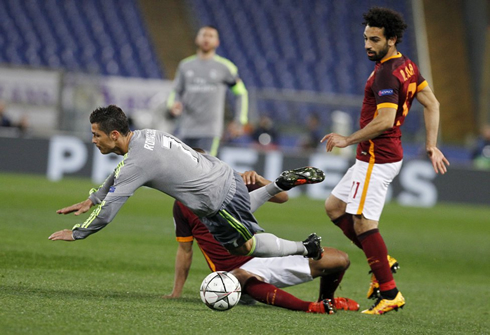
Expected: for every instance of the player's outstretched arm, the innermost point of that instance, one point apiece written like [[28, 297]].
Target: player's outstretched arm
[[431, 117], [183, 261], [62, 235], [382, 122], [334, 140], [78, 208]]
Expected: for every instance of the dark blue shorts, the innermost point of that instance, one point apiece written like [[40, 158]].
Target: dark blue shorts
[[234, 224]]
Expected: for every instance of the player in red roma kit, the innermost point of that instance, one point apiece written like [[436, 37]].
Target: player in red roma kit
[[356, 203], [261, 278]]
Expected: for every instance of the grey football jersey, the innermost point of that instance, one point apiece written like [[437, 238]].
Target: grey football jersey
[[161, 161], [200, 84]]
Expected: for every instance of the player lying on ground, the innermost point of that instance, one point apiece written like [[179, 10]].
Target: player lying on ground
[[210, 188], [261, 277]]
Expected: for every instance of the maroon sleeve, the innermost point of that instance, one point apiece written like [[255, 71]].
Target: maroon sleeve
[[183, 229], [386, 87]]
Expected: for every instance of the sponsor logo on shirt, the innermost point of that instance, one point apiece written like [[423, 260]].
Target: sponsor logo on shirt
[[112, 189], [382, 93]]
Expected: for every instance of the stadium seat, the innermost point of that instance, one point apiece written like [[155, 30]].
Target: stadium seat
[[308, 38], [301, 45], [77, 36]]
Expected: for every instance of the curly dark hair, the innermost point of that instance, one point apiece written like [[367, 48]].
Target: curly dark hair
[[110, 118], [388, 19]]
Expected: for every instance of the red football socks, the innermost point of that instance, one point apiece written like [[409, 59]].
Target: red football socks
[[271, 295], [376, 253], [346, 223]]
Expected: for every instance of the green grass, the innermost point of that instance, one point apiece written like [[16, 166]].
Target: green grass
[[112, 282]]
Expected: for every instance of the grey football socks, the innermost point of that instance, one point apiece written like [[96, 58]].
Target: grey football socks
[[261, 195], [269, 245]]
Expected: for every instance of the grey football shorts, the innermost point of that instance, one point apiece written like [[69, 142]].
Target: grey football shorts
[[234, 224]]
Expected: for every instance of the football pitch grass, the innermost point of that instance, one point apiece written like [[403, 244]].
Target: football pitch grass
[[112, 282]]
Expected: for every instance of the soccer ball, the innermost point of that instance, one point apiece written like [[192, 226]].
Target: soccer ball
[[220, 291]]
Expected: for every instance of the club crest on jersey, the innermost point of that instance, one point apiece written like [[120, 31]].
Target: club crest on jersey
[[383, 93], [112, 189]]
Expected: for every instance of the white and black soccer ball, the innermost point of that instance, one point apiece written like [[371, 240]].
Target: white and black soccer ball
[[220, 291]]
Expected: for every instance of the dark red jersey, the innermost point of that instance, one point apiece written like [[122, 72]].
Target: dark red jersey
[[394, 83], [188, 227]]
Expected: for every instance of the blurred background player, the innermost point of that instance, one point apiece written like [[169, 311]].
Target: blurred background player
[[198, 96], [356, 203], [261, 278]]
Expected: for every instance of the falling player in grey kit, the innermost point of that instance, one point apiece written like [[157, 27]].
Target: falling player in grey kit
[[198, 96], [210, 188]]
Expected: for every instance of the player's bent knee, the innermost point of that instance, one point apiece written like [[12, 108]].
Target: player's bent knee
[[344, 259], [334, 207], [340, 260], [333, 261]]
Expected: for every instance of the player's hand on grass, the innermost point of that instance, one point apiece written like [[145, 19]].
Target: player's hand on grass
[[62, 235], [79, 208], [171, 296], [439, 162]]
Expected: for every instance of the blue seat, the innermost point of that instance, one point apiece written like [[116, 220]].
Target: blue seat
[[299, 32], [75, 35]]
